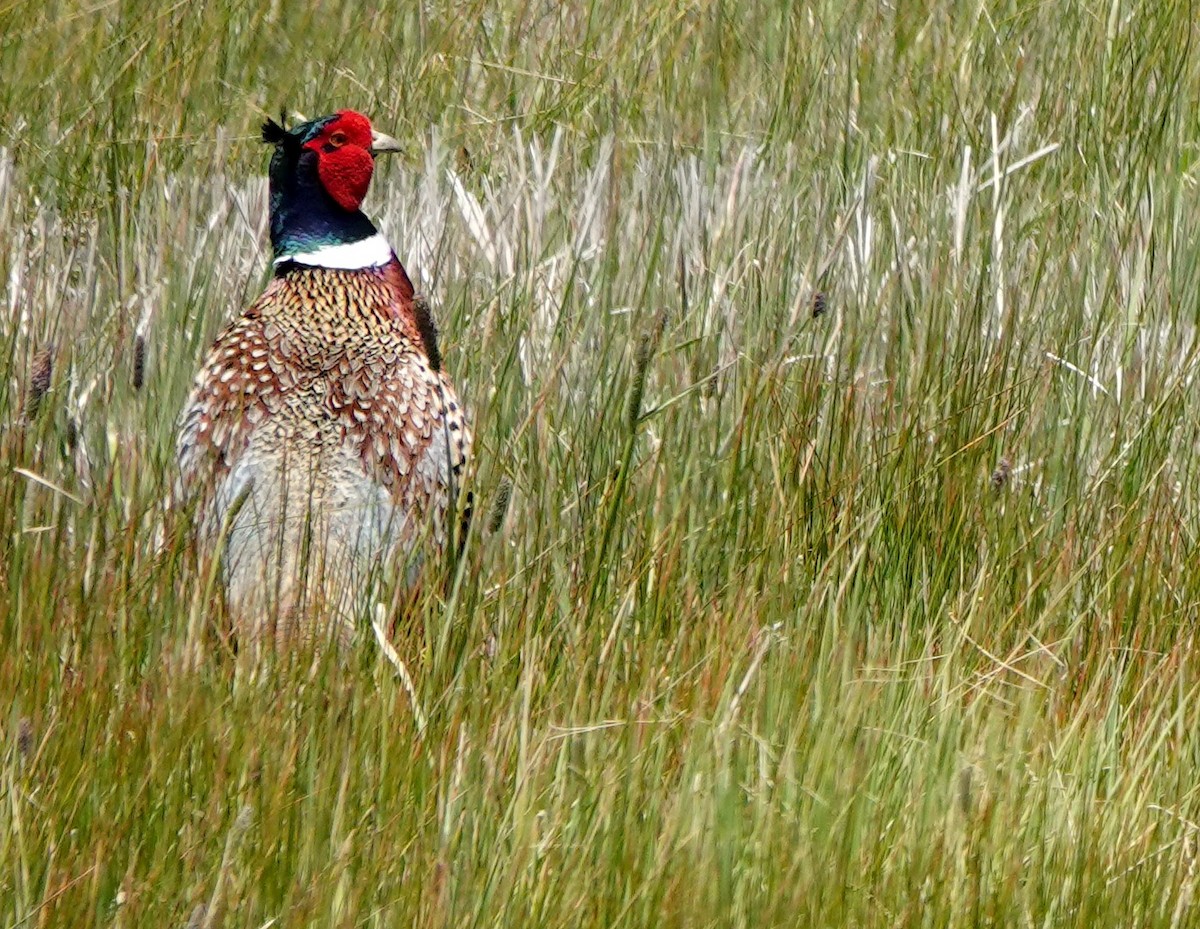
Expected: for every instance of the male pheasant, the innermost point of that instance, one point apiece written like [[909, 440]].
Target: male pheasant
[[322, 443]]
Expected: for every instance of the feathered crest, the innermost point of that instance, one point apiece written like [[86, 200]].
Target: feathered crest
[[276, 133]]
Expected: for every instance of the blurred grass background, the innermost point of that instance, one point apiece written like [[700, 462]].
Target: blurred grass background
[[878, 616]]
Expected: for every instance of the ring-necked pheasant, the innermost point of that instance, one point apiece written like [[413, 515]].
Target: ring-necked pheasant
[[322, 441]]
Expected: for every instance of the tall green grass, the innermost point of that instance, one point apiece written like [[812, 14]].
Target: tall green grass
[[878, 617]]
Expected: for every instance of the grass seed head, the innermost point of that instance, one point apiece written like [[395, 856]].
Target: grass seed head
[[499, 506], [139, 361], [641, 364], [964, 789], [24, 738], [41, 371]]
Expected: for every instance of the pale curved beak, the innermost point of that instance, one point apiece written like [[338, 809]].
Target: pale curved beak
[[381, 143]]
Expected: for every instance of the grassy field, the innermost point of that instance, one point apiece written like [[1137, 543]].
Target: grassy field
[[879, 616]]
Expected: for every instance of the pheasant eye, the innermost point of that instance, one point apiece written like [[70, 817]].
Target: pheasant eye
[[337, 139]]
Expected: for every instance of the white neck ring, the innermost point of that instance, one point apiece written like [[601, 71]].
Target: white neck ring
[[348, 256]]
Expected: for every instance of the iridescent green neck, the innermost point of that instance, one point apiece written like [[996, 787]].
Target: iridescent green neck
[[304, 218]]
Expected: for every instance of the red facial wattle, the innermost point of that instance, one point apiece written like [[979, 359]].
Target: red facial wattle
[[344, 159], [346, 175]]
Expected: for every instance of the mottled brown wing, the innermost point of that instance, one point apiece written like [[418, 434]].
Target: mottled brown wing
[[406, 424], [231, 396]]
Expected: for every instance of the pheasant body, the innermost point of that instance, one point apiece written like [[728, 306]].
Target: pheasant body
[[322, 440]]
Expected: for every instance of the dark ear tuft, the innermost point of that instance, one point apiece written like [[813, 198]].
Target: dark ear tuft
[[273, 133]]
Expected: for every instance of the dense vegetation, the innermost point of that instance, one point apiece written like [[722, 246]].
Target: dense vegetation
[[877, 616]]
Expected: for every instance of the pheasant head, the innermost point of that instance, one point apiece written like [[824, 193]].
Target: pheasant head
[[319, 175]]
